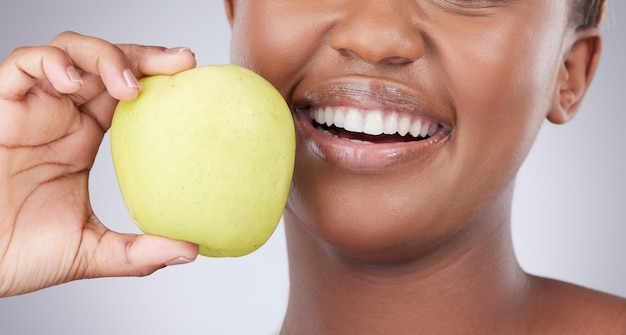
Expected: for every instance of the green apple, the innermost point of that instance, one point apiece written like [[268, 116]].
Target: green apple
[[205, 156]]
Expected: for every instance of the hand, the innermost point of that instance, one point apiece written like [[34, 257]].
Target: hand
[[56, 103]]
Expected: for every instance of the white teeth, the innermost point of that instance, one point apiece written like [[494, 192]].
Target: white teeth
[[391, 124], [425, 129], [319, 116], [416, 128], [360, 141], [404, 125], [374, 122], [340, 119], [433, 129], [328, 116], [354, 121]]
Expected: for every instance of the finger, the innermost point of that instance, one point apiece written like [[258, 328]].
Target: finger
[[120, 255], [143, 60], [152, 60], [92, 87], [119, 66], [103, 59], [26, 65], [101, 109]]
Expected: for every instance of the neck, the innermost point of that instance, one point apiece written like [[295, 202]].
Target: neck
[[470, 284]]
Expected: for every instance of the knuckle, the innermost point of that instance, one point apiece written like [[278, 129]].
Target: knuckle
[[134, 51], [20, 52], [24, 54], [111, 48], [66, 34]]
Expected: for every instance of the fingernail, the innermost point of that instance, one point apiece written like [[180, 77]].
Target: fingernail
[[131, 80], [178, 261], [74, 76], [177, 50]]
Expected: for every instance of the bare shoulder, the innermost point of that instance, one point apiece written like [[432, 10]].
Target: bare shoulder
[[569, 309]]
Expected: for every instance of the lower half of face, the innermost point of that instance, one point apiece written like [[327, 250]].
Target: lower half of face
[[412, 120]]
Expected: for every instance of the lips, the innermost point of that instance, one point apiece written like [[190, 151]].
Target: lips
[[365, 125]]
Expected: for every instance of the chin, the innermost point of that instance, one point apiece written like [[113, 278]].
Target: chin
[[386, 218], [367, 227]]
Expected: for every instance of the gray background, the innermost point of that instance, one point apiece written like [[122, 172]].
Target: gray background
[[569, 210]]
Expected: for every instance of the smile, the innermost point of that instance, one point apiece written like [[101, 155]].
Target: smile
[[369, 126], [372, 126]]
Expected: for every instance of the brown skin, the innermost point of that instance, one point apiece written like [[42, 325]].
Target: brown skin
[[51, 130], [419, 241], [391, 238]]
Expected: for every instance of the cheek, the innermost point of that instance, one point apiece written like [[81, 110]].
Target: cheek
[[502, 100], [276, 39]]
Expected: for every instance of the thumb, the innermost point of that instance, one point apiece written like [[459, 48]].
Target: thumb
[[119, 255]]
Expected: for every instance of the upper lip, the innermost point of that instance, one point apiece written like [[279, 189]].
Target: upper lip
[[373, 94]]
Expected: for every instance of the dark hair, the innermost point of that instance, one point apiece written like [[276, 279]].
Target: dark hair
[[588, 13]]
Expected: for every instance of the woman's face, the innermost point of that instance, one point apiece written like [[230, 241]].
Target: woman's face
[[412, 117]]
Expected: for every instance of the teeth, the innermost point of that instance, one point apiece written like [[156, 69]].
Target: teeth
[[433, 130], [416, 128], [354, 121], [328, 116], [327, 132], [391, 124], [339, 119], [425, 128], [319, 116], [404, 125], [374, 122]]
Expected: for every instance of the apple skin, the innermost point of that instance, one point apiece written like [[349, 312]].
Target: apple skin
[[206, 156]]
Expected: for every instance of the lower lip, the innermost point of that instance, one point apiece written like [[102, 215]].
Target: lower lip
[[365, 157]]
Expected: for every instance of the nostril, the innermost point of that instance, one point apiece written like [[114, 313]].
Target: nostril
[[396, 61], [384, 46], [348, 53]]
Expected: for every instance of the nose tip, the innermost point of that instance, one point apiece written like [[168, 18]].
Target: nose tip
[[378, 33]]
